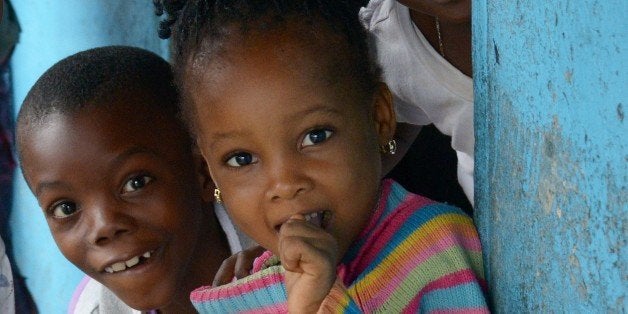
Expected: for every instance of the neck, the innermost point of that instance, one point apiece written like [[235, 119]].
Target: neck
[[455, 38], [212, 248]]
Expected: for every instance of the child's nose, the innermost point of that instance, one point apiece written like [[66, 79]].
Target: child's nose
[[287, 180], [106, 223]]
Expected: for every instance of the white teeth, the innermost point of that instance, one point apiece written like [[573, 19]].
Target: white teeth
[[120, 266], [132, 262], [310, 216]]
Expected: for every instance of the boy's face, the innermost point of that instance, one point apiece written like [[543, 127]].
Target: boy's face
[[281, 138], [120, 195]]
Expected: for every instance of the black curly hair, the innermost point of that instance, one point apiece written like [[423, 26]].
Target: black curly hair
[[201, 28]]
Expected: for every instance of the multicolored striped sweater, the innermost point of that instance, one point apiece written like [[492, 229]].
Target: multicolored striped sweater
[[415, 255]]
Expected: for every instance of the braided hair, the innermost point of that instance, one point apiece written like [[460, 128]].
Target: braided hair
[[200, 28]]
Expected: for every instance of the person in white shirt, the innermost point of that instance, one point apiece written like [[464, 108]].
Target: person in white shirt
[[424, 49]]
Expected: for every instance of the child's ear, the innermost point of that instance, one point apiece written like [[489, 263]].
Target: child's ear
[[204, 178], [384, 114]]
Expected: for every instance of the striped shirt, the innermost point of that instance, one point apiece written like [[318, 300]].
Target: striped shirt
[[414, 255]]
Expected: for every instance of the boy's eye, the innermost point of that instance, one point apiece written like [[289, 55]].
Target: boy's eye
[[241, 159], [316, 137], [63, 210], [136, 183]]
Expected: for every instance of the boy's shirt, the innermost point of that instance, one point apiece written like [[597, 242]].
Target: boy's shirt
[[414, 255]]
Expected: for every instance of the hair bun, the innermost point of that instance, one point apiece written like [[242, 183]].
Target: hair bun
[[172, 8]]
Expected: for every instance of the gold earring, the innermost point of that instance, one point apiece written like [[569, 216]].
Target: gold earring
[[217, 196], [389, 148]]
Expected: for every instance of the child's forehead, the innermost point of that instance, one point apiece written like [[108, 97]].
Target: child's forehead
[[124, 118], [302, 57], [100, 133]]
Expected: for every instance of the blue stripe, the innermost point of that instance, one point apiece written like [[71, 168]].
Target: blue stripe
[[268, 296], [418, 218]]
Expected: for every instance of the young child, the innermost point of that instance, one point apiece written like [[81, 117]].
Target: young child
[[285, 104], [126, 199]]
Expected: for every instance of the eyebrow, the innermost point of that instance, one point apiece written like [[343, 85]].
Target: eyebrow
[[130, 152], [217, 137], [56, 184], [47, 185]]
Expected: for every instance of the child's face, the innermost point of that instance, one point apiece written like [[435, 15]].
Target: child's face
[[282, 138], [121, 196]]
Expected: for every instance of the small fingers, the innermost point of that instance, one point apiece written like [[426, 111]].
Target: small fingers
[[308, 255], [245, 259], [225, 273]]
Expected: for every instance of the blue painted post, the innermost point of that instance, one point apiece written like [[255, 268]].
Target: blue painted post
[[551, 90], [52, 30]]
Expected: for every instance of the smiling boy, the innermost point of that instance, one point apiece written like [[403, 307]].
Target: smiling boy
[[126, 199]]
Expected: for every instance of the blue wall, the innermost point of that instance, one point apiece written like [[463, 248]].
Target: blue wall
[[52, 30], [551, 153]]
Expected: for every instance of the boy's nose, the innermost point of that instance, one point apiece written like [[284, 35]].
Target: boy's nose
[[107, 223], [287, 181]]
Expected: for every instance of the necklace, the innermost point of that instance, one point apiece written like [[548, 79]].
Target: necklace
[[440, 38]]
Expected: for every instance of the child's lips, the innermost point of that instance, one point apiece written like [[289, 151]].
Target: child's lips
[[321, 219]]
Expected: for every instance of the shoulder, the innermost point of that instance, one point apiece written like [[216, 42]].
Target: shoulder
[[408, 219], [92, 297], [85, 297], [432, 248]]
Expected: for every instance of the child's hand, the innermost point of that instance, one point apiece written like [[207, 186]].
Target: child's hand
[[238, 265], [309, 255]]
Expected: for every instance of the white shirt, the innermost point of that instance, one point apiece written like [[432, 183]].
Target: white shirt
[[426, 87]]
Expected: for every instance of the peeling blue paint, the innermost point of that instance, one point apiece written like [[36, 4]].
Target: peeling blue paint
[[551, 154]]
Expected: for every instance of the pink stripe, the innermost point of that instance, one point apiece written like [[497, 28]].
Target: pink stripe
[[274, 308], [381, 207], [447, 281], [389, 230], [381, 236], [404, 264], [207, 293], [77, 294], [258, 262]]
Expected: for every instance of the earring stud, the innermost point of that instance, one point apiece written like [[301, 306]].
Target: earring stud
[[217, 196], [389, 148]]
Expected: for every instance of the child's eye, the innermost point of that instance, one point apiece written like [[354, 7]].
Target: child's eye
[[316, 137], [64, 209], [241, 159], [136, 183]]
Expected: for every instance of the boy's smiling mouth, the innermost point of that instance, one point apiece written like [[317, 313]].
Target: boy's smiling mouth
[[124, 265]]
